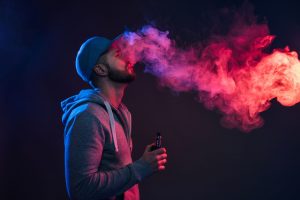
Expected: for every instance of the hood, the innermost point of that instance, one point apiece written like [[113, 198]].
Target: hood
[[84, 96]]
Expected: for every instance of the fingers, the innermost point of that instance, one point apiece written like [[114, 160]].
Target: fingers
[[160, 151], [161, 165], [162, 162], [157, 158], [161, 156]]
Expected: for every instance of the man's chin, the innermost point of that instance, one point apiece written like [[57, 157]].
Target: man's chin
[[122, 76], [123, 79]]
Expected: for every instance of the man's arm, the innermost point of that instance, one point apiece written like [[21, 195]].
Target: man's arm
[[84, 141]]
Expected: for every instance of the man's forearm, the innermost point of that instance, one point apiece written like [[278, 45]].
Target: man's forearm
[[104, 184]]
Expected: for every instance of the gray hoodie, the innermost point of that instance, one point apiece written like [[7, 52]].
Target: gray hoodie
[[98, 145]]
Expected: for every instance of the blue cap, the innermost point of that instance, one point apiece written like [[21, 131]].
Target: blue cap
[[88, 55]]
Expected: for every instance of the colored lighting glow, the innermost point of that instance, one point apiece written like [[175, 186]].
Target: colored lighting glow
[[233, 73]]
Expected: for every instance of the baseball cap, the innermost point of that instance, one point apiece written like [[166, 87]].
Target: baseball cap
[[89, 53]]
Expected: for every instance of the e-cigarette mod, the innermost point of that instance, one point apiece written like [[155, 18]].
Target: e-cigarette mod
[[157, 142]]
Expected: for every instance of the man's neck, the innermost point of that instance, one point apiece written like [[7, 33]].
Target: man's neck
[[113, 93]]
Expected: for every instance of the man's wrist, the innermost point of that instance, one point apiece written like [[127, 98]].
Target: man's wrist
[[141, 169]]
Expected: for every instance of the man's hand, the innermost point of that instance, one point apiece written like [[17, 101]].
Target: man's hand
[[157, 158]]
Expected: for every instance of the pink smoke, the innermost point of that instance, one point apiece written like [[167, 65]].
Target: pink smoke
[[232, 73]]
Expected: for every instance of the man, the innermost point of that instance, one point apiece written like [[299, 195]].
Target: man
[[98, 163]]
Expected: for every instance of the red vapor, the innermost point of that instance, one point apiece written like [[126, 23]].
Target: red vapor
[[232, 73]]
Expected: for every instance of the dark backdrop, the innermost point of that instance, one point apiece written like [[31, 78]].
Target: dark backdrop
[[38, 44]]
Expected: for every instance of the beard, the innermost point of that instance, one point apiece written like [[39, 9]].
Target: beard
[[121, 76]]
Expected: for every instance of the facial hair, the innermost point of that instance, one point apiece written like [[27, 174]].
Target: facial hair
[[120, 76]]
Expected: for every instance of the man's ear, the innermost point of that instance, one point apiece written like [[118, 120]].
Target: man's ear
[[100, 69]]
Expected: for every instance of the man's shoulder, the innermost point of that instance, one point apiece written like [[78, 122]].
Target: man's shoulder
[[90, 109]]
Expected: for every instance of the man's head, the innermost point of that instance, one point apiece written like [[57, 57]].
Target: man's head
[[99, 57]]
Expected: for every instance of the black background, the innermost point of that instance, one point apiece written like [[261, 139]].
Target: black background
[[38, 44]]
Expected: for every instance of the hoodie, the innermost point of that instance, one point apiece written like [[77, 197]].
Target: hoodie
[[97, 139]]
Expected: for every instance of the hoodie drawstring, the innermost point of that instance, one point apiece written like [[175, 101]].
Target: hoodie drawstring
[[112, 124]]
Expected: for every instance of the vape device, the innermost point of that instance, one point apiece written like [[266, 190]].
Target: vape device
[[157, 142]]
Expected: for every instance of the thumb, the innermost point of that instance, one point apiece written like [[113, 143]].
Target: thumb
[[148, 147]]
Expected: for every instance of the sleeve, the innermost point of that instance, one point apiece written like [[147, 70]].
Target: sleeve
[[84, 141]]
